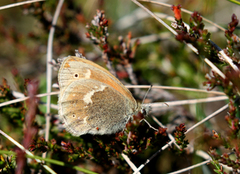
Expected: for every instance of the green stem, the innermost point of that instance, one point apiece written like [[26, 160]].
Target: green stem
[[235, 1], [53, 161]]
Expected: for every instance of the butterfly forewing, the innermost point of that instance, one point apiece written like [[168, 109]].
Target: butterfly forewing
[[75, 68]]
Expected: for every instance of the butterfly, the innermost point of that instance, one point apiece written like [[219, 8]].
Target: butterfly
[[91, 99]]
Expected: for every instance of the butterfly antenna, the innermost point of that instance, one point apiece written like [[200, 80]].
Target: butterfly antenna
[[146, 94]]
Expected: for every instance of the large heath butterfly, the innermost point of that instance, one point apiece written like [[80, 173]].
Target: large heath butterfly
[[91, 99]]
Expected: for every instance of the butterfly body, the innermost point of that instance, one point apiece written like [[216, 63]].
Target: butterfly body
[[91, 99]]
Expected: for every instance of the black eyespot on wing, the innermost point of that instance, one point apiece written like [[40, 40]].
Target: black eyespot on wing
[[76, 75]]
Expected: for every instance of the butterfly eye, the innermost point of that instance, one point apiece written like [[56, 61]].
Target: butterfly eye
[[73, 115], [76, 75]]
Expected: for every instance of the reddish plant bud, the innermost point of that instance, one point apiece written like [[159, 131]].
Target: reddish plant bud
[[88, 35], [177, 12], [162, 131]]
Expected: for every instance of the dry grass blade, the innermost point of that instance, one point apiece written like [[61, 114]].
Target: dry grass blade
[[130, 163], [187, 102], [176, 88], [227, 58], [25, 98], [49, 69], [208, 118], [191, 167], [214, 68], [154, 16], [19, 4]]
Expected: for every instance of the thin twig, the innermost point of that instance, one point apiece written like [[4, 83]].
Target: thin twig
[[155, 154], [225, 57], [49, 68], [176, 88], [186, 102], [130, 163], [215, 68], [18, 4], [25, 98], [153, 15], [191, 167], [208, 118]]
